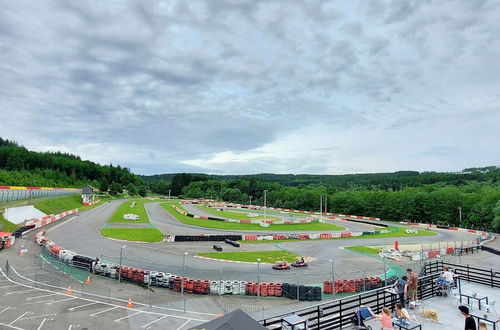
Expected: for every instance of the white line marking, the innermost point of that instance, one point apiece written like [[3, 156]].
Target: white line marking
[[6, 308], [161, 318], [7, 286], [104, 311], [182, 326], [58, 301], [18, 318], [70, 327], [11, 326], [73, 308], [41, 324], [45, 295], [37, 302], [126, 317], [20, 292], [34, 317]]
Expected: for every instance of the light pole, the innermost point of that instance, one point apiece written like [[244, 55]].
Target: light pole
[[333, 278], [120, 269], [183, 272], [298, 284], [320, 208], [265, 204], [258, 279], [460, 215], [169, 194], [250, 200]]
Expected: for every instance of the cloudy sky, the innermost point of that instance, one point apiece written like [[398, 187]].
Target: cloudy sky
[[237, 87]]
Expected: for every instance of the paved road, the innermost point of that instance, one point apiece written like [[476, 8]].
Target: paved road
[[81, 233], [28, 307]]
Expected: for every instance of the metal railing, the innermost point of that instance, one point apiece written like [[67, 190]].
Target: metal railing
[[489, 277], [340, 312]]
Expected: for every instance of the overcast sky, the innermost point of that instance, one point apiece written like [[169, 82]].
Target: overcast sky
[[237, 87]]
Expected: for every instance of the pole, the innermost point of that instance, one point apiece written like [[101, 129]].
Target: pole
[[169, 194], [460, 215], [298, 284], [333, 278], [265, 204], [385, 272], [219, 291], [250, 200], [183, 272], [326, 203], [258, 278], [120, 269]]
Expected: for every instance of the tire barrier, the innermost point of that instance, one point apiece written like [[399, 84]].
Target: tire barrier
[[23, 230], [231, 242], [207, 238], [301, 292], [355, 285]]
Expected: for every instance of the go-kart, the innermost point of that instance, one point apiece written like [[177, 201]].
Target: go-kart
[[299, 263], [281, 265]]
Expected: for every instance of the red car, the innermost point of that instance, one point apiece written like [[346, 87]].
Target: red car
[[281, 265]]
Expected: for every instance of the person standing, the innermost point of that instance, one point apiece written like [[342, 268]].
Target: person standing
[[402, 286], [470, 324], [412, 285]]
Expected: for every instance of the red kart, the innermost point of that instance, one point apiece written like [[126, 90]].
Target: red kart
[[281, 265], [299, 263]]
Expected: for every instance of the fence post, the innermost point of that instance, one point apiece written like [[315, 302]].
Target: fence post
[[468, 273], [491, 273]]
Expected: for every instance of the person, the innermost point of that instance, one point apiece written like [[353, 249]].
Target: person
[[482, 326], [402, 314], [446, 277], [470, 324], [384, 318], [412, 285], [402, 286], [302, 260]]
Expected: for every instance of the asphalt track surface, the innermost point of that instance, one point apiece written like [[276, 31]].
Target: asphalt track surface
[[81, 234]]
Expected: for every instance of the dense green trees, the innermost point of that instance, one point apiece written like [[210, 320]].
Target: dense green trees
[[18, 166]]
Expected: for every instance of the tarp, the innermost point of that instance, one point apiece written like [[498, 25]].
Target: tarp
[[236, 320]]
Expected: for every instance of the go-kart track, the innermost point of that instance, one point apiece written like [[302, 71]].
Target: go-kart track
[[81, 234]]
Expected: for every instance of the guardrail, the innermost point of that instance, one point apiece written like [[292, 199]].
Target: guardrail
[[339, 313], [489, 277]]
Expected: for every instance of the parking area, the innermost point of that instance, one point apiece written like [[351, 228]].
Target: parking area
[[27, 307]]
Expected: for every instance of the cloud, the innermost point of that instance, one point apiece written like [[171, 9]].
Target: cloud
[[252, 86]]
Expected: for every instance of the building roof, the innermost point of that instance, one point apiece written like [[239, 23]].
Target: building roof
[[236, 320]]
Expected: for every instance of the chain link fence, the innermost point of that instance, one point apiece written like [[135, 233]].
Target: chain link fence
[[7, 195]]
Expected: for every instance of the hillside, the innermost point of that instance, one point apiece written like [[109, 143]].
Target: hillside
[[21, 167]]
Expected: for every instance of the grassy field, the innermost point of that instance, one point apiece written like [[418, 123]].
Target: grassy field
[[233, 215], [363, 249], [125, 208], [60, 204], [7, 225], [399, 233], [265, 256], [246, 226], [133, 234]]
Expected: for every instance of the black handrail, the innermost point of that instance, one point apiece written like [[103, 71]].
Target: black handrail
[[490, 277]]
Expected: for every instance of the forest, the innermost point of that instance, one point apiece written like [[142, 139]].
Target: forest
[[21, 167]]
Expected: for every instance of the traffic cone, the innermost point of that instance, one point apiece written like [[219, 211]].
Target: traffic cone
[[129, 304], [69, 291], [88, 281], [21, 253]]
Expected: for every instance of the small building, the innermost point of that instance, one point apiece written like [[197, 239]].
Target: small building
[[88, 195]]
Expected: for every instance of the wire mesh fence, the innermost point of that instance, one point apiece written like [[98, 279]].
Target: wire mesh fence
[[7, 195]]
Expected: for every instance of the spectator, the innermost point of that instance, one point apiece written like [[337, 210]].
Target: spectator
[[384, 318], [446, 277], [412, 285], [470, 324], [482, 326], [402, 287], [402, 314]]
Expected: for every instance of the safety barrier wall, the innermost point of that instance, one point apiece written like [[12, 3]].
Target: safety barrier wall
[[43, 221], [482, 234], [12, 193]]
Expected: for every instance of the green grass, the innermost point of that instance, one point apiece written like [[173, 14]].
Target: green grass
[[133, 234], [60, 204], [7, 225], [363, 249], [399, 233], [246, 226], [125, 208], [234, 215], [265, 256]]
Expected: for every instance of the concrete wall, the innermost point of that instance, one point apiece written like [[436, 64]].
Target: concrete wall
[[19, 214]]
